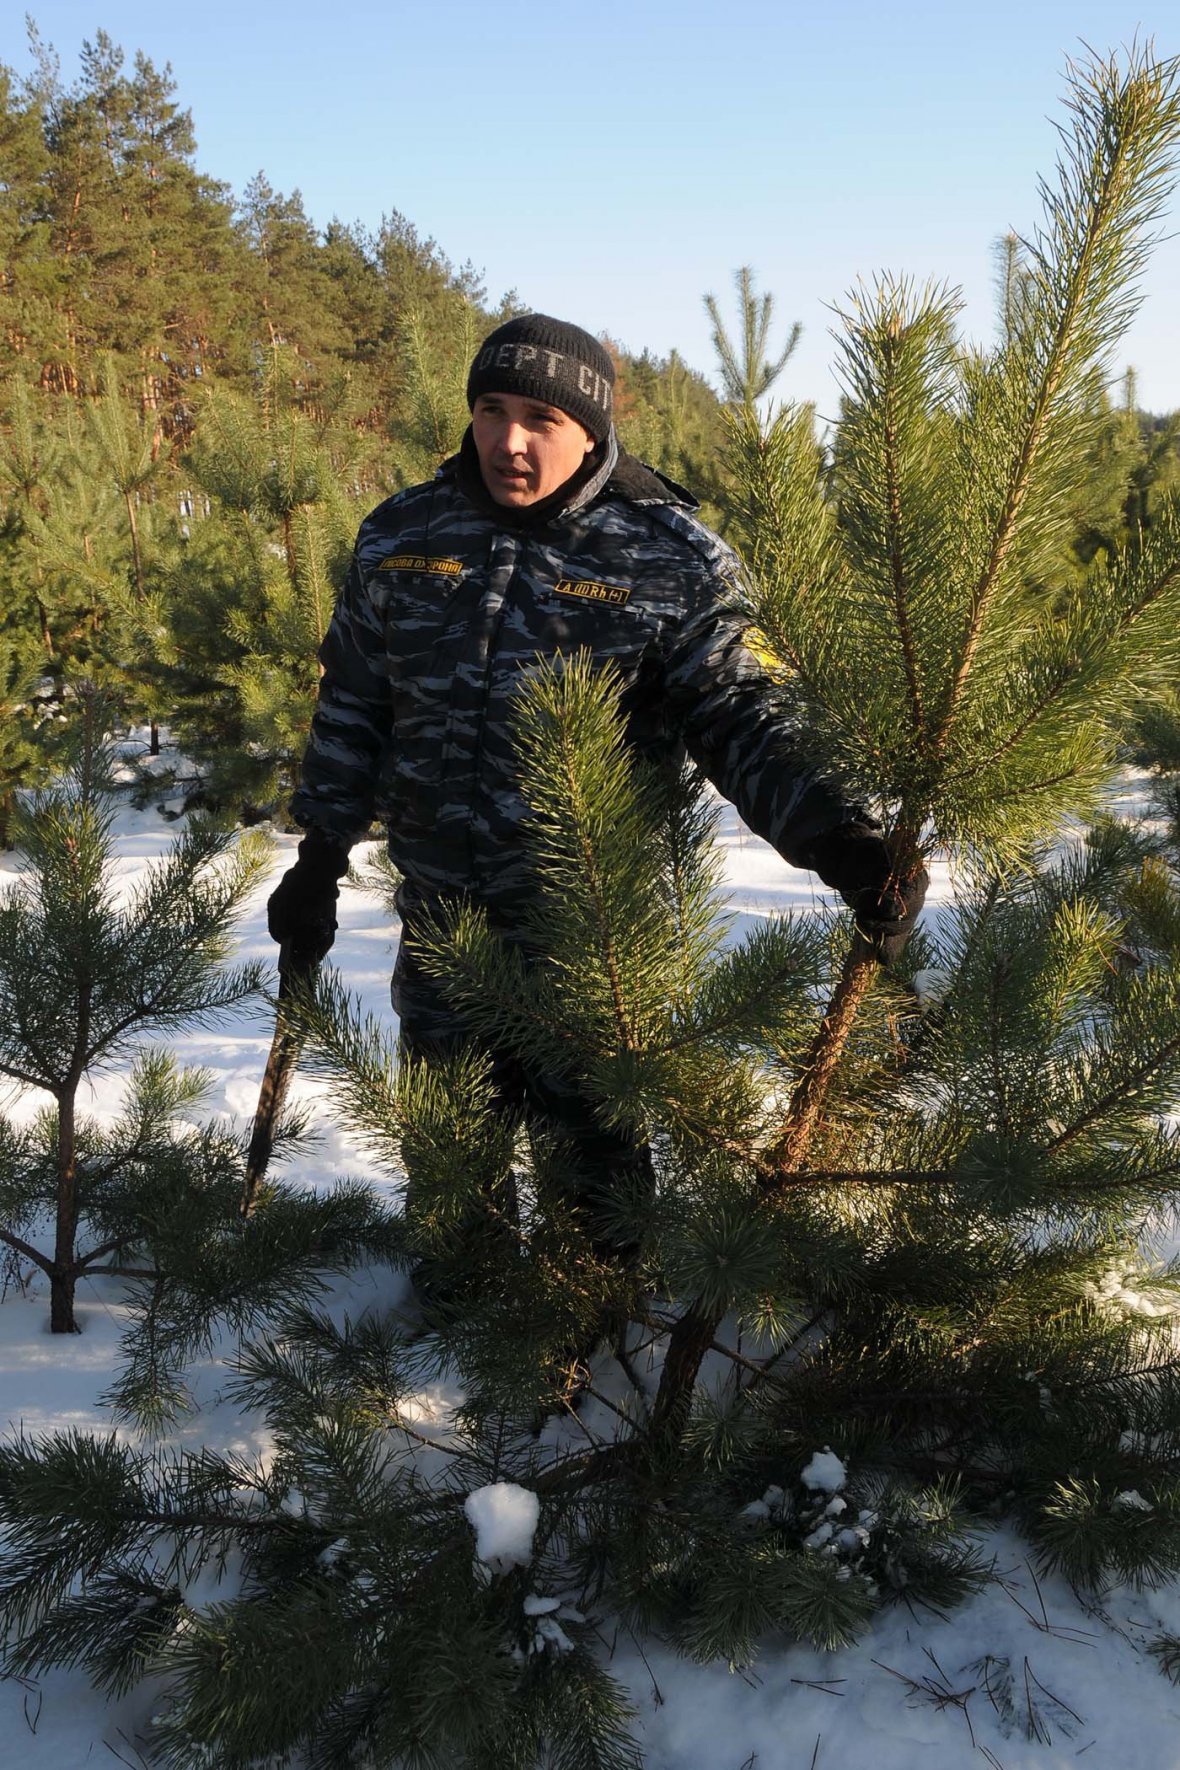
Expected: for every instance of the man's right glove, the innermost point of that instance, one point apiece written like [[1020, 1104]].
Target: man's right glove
[[855, 860], [301, 911]]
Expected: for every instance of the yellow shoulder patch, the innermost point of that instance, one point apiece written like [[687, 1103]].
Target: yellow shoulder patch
[[418, 562], [755, 640]]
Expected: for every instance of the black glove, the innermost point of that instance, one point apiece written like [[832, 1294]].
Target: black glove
[[855, 860], [886, 918], [301, 911]]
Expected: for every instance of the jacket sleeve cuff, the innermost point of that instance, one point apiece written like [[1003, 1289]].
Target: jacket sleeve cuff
[[851, 857]]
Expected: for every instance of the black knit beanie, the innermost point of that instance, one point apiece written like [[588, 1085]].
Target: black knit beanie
[[551, 360]]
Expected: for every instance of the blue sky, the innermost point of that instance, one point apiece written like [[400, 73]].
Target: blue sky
[[613, 161]]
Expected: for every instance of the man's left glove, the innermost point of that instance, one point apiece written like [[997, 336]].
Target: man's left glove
[[886, 918], [855, 860], [301, 911]]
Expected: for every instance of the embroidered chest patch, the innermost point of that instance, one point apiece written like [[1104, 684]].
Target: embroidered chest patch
[[586, 590], [418, 562]]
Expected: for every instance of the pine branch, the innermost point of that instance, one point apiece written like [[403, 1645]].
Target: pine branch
[[1072, 671], [897, 565], [1126, 1088], [594, 883], [114, 1246], [774, 1178], [24, 1248], [1125, 129]]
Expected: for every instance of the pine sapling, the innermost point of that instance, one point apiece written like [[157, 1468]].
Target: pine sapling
[[921, 670], [85, 974]]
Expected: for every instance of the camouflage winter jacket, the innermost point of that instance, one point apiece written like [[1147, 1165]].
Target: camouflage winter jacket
[[449, 602]]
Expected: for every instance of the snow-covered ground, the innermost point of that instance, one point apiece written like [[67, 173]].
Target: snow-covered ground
[[1024, 1676]]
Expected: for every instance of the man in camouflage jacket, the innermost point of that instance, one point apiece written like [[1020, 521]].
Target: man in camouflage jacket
[[541, 537]]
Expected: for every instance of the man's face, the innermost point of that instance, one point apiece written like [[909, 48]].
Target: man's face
[[526, 449]]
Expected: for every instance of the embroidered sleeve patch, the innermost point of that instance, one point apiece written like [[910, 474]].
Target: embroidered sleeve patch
[[418, 562], [588, 591]]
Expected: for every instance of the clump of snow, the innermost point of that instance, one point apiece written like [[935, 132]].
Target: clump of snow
[[1124, 1292], [550, 1613], [334, 1553], [930, 985], [549, 1633], [854, 1538], [1131, 1500], [774, 1504], [504, 1518], [825, 1472]]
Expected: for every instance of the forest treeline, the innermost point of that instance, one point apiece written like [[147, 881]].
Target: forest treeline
[[201, 393]]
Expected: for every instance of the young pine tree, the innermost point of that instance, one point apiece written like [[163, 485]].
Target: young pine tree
[[255, 583], [80, 978], [748, 371], [1149, 450], [433, 406], [86, 538], [84, 977]]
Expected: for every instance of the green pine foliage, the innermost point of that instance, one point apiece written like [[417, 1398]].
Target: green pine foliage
[[47, 611], [24, 754], [1136, 472], [437, 344], [87, 541], [151, 1197], [268, 537], [667, 414], [1152, 447], [748, 371], [364, 1631], [903, 599], [964, 1309], [986, 718]]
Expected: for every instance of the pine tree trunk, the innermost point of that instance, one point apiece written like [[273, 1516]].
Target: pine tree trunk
[[46, 630], [61, 1302], [688, 1343], [289, 550], [64, 1274], [137, 559], [696, 1330], [62, 1277], [827, 1048]]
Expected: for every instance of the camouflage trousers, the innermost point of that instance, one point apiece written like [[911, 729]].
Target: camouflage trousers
[[607, 1170]]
